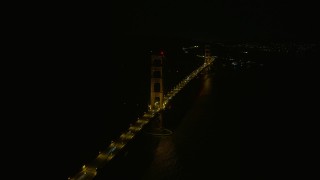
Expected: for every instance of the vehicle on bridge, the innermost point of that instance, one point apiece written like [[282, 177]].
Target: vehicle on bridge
[[89, 170]]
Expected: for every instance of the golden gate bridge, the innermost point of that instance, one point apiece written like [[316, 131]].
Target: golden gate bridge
[[158, 103]]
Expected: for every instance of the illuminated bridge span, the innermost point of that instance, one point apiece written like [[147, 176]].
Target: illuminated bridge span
[[89, 171]]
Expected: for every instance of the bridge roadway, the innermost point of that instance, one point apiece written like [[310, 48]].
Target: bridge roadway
[[90, 170]]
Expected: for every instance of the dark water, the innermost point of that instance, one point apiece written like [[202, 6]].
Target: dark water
[[243, 122]]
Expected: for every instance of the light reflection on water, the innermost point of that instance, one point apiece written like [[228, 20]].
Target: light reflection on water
[[166, 164]]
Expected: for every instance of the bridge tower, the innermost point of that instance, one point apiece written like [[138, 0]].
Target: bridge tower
[[156, 85], [207, 53]]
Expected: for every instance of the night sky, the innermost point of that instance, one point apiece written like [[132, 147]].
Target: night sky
[[218, 20]]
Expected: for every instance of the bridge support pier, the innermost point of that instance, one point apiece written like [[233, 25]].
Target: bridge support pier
[[207, 55], [156, 95]]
